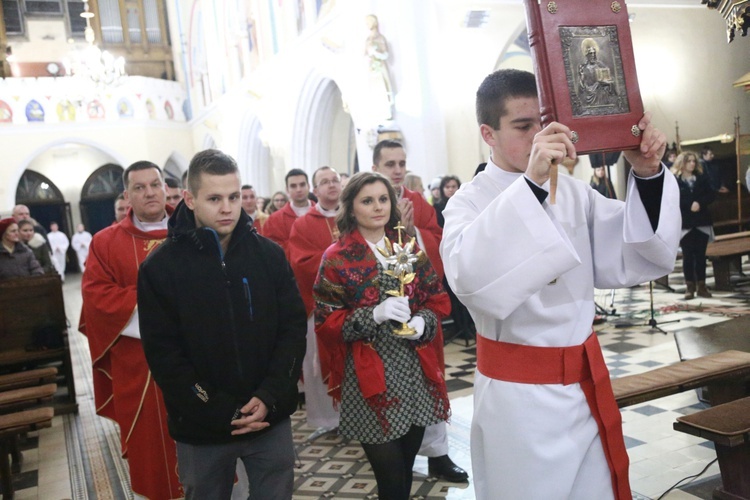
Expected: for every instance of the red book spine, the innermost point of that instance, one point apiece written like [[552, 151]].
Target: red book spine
[[539, 58]]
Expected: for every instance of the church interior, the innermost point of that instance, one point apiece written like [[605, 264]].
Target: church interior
[[89, 87]]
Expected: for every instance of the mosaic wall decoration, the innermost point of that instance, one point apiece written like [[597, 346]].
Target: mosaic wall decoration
[[34, 111]]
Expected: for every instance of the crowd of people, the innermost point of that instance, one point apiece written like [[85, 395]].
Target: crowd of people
[[208, 306], [28, 249]]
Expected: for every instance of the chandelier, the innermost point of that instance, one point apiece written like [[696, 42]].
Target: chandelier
[[99, 66]]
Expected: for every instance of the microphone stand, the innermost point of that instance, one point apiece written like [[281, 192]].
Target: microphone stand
[[652, 322]]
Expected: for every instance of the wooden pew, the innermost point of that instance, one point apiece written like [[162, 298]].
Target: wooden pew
[[28, 378], [32, 305], [726, 374], [728, 426], [12, 426], [727, 423], [723, 252]]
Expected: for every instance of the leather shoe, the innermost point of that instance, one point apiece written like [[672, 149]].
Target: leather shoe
[[444, 468]]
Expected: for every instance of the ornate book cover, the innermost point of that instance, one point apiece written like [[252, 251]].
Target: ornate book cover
[[585, 71]]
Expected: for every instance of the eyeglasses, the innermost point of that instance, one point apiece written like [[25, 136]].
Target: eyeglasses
[[326, 182]]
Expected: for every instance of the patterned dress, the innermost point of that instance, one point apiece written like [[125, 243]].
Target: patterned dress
[[385, 384]]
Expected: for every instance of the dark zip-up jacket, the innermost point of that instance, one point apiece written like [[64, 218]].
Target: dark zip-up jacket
[[702, 192], [220, 328]]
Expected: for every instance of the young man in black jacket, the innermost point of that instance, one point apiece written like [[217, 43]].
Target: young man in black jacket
[[223, 328]]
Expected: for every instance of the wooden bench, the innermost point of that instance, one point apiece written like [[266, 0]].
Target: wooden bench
[[12, 426], [28, 378], [728, 426], [723, 252], [30, 305], [18, 399], [726, 374]]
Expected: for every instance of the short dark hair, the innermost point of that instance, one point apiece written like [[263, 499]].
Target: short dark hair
[[496, 89], [246, 186], [171, 182], [384, 144], [320, 169], [293, 173], [345, 218], [211, 162], [706, 150], [139, 165], [119, 197], [24, 222]]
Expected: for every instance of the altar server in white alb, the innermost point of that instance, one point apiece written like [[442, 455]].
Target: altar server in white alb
[[546, 425], [59, 243], [81, 242]]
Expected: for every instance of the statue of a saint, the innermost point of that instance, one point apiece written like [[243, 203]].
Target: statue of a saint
[[376, 50]]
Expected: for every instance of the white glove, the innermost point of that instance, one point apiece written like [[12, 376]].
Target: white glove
[[416, 322], [395, 308]]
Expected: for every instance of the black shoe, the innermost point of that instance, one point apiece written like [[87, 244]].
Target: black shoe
[[444, 468]]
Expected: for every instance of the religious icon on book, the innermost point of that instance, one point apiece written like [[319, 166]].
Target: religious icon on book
[[585, 70], [402, 258], [593, 68]]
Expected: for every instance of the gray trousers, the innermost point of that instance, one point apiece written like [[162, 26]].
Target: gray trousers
[[207, 471]]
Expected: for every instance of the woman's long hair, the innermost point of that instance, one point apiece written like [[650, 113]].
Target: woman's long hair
[[271, 208], [681, 161], [444, 182], [345, 218]]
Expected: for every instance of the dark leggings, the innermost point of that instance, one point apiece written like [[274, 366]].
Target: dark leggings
[[392, 464], [694, 246]]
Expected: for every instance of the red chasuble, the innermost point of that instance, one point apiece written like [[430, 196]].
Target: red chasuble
[[278, 227], [310, 236], [123, 387], [425, 220]]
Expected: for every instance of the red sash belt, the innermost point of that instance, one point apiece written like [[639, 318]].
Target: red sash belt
[[583, 364]]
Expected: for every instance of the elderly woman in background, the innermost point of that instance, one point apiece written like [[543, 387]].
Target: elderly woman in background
[[37, 244], [16, 259], [696, 194]]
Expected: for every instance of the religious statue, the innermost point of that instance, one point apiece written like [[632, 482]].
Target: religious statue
[[376, 50], [595, 84]]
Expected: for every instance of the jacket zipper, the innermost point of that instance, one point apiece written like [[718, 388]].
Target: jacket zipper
[[228, 283]]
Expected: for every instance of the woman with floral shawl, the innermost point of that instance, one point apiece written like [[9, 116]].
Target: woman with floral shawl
[[389, 386]]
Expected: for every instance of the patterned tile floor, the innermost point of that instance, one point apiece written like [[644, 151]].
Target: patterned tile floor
[[58, 463]]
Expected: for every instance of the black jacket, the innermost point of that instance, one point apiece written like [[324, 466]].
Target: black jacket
[[218, 329], [703, 193]]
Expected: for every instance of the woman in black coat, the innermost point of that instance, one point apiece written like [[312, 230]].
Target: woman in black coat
[[697, 229]]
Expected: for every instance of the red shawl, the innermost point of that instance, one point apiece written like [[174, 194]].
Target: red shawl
[[347, 281]]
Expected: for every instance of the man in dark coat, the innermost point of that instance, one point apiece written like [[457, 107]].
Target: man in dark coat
[[223, 328]]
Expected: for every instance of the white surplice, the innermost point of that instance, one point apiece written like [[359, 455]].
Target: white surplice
[[527, 271], [81, 242], [59, 243]]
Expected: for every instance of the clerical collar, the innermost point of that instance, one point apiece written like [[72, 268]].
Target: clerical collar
[[300, 211], [147, 227], [326, 213]]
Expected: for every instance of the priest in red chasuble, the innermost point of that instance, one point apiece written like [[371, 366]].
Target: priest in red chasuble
[[124, 390], [420, 220], [278, 227], [311, 235]]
